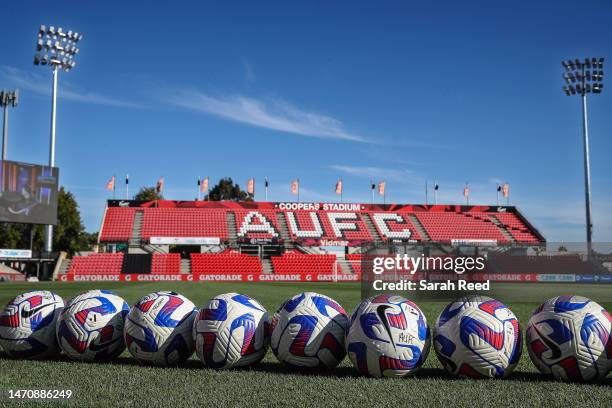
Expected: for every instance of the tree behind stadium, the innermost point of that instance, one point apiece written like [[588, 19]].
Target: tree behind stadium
[[227, 190], [69, 233], [148, 194]]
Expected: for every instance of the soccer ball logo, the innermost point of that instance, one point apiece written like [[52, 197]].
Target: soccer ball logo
[[158, 328], [231, 330], [570, 338], [27, 324], [388, 337], [309, 331], [90, 327], [478, 337]]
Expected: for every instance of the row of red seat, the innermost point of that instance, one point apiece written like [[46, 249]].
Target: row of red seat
[[441, 226], [103, 264], [293, 263], [225, 263]]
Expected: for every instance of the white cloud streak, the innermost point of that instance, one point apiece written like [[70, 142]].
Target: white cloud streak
[[41, 84], [271, 114]]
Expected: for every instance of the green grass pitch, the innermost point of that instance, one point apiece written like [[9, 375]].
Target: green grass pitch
[[123, 382]]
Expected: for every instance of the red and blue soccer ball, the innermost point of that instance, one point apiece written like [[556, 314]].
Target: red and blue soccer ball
[[27, 325], [90, 327], [308, 331], [158, 329], [478, 337], [231, 330], [569, 337], [388, 337]]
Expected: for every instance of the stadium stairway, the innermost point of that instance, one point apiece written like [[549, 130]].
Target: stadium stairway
[[417, 224], [284, 231], [186, 266], [345, 266], [134, 241], [266, 266], [64, 266], [230, 219], [371, 229], [502, 229]]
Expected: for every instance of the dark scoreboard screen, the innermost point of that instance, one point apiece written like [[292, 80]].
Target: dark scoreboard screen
[[28, 193]]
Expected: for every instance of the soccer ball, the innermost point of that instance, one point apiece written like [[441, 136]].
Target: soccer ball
[[90, 327], [308, 330], [158, 329], [388, 337], [231, 330], [27, 324], [478, 337], [570, 338]]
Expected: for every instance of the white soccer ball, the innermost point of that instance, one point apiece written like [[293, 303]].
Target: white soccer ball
[[478, 337], [231, 330], [570, 337], [158, 329], [27, 325], [388, 337], [309, 330], [90, 327]]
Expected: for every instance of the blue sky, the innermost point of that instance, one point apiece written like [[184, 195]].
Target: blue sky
[[452, 91]]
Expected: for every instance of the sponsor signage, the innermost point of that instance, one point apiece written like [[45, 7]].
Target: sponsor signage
[[204, 277], [554, 277], [185, 240], [474, 242], [15, 253]]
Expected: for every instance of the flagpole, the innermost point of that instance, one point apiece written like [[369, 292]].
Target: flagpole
[[498, 187], [298, 188], [371, 191], [266, 184], [426, 193], [127, 186], [114, 185], [435, 192], [199, 183], [341, 191]]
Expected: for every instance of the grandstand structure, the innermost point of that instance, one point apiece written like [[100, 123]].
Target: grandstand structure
[[268, 240]]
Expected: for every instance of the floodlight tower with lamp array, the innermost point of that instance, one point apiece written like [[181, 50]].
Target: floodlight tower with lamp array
[[7, 98], [57, 49], [584, 77]]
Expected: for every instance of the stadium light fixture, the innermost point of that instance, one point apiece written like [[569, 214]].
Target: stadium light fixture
[[7, 99], [582, 78], [57, 49]]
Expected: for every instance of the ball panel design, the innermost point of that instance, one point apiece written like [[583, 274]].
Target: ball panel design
[[569, 337], [90, 328], [308, 331], [27, 325], [388, 337], [158, 328], [478, 337], [231, 330]]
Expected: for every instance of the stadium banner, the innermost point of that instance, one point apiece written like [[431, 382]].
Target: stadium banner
[[16, 253], [556, 277], [184, 240], [211, 277], [28, 193], [12, 277], [474, 242]]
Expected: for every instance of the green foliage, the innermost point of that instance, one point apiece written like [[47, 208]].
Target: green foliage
[[68, 235], [148, 194], [227, 190]]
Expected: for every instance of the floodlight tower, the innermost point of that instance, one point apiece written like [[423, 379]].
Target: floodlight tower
[[57, 49], [7, 98], [582, 78]]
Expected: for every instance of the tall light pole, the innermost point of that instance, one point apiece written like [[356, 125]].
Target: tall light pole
[[582, 78], [57, 49], [7, 98]]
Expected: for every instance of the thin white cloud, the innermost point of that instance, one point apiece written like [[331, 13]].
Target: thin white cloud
[[41, 84], [269, 114], [403, 176]]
